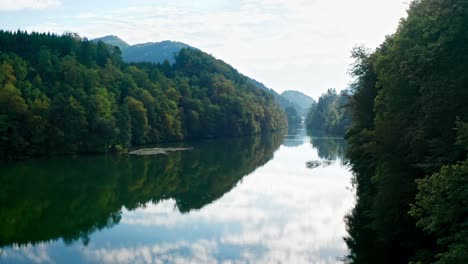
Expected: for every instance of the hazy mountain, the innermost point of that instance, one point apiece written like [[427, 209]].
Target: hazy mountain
[[114, 41], [283, 102], [298, 98], [155, 52], [301, 100]]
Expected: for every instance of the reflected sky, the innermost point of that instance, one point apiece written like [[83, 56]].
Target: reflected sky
[[280, 212]]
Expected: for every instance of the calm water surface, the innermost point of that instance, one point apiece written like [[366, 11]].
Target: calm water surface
[[248, 200]]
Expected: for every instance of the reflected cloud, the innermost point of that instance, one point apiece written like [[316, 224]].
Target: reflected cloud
[[201, 251], [280, 212], [286, 218], [33, 254], [76, 197]]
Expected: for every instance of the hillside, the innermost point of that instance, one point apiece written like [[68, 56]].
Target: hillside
[[155, 52], [158, 52], [283, 102], [64, 94], [114, 41], [302, 101]]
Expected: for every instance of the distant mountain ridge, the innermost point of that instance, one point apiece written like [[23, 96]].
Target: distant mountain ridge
[[155, 52], [283, 102], [301, 100], [114, 41], [158, 52]]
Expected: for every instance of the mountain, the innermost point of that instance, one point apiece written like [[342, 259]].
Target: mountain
[[156, 52], [298, 98], [61, 94], [282, 101], [114, 41]]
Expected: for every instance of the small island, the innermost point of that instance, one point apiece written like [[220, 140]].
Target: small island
[[155, 151]]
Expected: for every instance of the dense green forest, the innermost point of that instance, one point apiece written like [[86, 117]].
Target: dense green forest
[[65, 94], [329, 115], [158, 52], [408, 141]]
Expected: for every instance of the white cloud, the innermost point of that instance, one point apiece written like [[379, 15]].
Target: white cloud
[[296, 218], [13, 5], [201, 251], [286, 44], [275, 215], [34, 254]]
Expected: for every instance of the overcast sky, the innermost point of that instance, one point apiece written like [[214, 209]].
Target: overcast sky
[[286, 44]]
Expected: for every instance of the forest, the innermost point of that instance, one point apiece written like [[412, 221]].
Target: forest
[[63, 94], [329, 116], [408, 141]]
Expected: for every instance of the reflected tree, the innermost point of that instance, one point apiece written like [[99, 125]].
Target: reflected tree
[[329, 148], [70, 198]]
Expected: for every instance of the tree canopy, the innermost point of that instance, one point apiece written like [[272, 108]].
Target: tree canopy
[[409, 119], [65, 94], [329, 115]]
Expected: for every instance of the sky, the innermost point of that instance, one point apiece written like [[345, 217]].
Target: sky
[[302, 45]]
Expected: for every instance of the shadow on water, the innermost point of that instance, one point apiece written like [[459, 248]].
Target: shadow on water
[[329, 148], [295, 136], [70, 198]]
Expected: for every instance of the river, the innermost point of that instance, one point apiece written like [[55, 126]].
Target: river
[[244, 200]]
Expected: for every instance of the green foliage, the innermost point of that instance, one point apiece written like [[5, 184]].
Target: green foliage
[[329, 114], [293, 118], [442, 208], [408, 103], [72, 197], [64, 94]]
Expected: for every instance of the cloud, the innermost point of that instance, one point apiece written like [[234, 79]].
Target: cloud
[[14, 5], [33, 254], [275, 215], [201, 251], [272, 218], [286, 44]]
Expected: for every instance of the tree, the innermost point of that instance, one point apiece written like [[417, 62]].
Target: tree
[[329, 114], [124, 125], [293, 118], [139, 120], [65, 94], [14, 116], [68, 118], [441, 207], [409, 95]]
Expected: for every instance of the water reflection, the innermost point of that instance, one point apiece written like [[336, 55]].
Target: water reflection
[[329, 148], [296, 136], [70, 198], [248, 202]]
